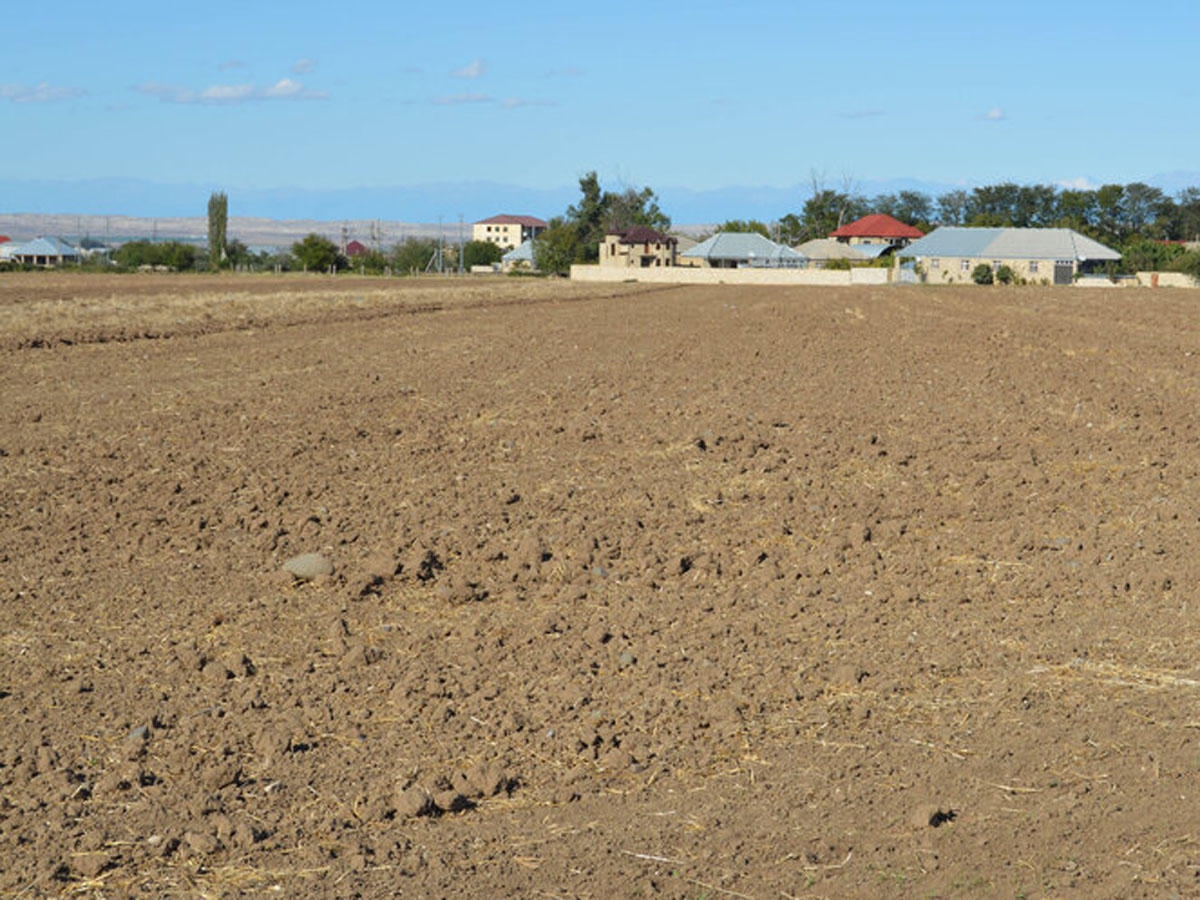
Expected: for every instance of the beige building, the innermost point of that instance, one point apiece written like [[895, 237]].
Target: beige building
[[638, 247], [506, 231], [1035, 255]]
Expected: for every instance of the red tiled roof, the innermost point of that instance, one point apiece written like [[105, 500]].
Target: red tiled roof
[[878, 225], [642, 234], [4, 238], [525, 221]]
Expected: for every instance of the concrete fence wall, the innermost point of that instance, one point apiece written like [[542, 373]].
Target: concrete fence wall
[[1166, 279], [822, 277], [687, 275]]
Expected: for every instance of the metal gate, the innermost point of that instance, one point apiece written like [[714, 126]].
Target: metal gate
[[1064, 271]]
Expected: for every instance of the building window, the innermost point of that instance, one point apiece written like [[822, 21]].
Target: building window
[[965, 265], [935, 264], [1033, 267]]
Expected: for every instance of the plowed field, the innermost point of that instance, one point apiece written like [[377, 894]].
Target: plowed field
[[680, 592]]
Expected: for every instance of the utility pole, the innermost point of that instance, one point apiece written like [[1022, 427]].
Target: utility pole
[[460, 244]]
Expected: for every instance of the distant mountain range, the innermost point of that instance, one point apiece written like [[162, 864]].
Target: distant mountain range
[[126, 207]]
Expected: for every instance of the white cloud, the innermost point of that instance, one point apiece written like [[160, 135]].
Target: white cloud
[[473, 69], [228, 94], [458, 99], [995, 114], [488, 100], [518, 102], [303, 66], [873, 113], [39, 93], [1082, 183]]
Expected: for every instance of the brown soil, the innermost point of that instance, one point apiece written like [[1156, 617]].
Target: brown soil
[[696, 592]]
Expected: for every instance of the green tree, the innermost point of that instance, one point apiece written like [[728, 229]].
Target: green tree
[[1147, 211], [993, 205], [1076, 209], [238, 255], [169, 254], [952, 207], [599, 212], [557, 247], [982, 274], [1110, 212], [371, 262], [745, 226], [1185, 222], [481, 253], [412, 256], [218, 218], [790, 229], [828, 210], [632, 207], [1189, 262], [317, 254], [1005, 274]]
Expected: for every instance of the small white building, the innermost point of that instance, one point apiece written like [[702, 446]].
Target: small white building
[[42, 251]]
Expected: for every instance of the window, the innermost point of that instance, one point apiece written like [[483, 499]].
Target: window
[[965, 265], [935, 264], [1033, 267]]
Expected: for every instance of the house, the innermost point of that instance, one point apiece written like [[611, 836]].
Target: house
[[506, 231], [740, 250], [356, 248], [1046, 255], [42, 251], [518, 258], [879, 232], [639, 247], [821, 251]]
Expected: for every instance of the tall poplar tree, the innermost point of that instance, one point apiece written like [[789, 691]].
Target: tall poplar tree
[[218, 216]]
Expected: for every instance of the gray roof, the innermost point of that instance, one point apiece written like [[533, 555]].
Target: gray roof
[[1009, 243], [742, 247], [828, 248], [41, 246], [522, 253]]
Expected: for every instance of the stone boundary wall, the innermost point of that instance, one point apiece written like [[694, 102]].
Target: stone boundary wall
[[688, 275], [1166, 279], [822, 277]]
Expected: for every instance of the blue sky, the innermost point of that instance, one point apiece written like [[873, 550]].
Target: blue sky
[[253, 96]]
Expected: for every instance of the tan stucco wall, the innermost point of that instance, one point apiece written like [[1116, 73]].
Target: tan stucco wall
[[687, 275], [1166, 279]]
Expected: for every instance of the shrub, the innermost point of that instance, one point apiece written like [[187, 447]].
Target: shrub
[[982, 274], [1005, 275]]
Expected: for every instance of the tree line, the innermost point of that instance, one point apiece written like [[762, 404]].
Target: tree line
[[1143, 222]]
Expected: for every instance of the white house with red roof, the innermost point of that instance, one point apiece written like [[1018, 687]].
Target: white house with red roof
[[507, 231], [878, 230]]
